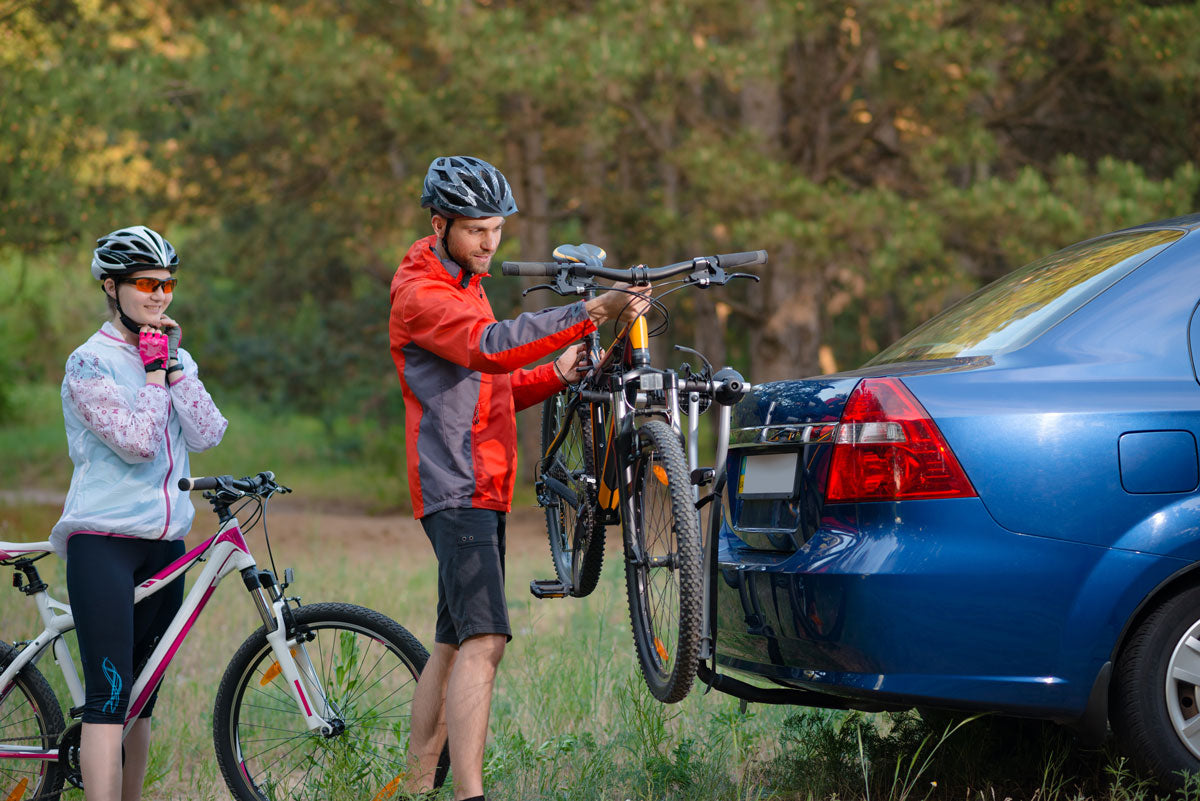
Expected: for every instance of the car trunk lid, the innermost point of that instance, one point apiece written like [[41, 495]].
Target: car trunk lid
[[781, 444]]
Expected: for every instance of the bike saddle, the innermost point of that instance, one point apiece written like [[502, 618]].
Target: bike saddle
[[591, 255]]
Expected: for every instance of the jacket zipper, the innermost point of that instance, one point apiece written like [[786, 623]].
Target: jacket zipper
[[170, 470]]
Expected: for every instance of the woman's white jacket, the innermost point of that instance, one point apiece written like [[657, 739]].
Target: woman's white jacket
[[129, 441]]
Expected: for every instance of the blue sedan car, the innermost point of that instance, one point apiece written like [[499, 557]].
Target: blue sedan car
[[998, 512]]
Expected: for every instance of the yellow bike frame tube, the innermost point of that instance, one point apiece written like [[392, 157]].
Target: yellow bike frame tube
[[639, 340], [639, 334]]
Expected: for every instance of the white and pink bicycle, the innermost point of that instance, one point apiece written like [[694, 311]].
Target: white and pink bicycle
[[315, 704]]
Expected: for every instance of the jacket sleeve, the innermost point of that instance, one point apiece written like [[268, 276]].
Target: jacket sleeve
[[135, 433], [438, 319], [531, 387], [202, 423]]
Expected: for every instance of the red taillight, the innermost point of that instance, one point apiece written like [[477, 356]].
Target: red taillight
[[887, 448]]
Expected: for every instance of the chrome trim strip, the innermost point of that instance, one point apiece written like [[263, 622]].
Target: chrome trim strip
[[783, 434]]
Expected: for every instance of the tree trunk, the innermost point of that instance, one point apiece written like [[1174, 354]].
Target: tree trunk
[[786, 341], [534, 231], [786, 337]]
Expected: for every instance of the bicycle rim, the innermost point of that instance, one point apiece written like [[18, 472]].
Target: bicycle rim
[[368, 674], [576, 538], [663, 572], [29, 716]]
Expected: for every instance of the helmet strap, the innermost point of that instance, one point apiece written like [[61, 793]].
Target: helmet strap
[[464, 274], [126, 320]]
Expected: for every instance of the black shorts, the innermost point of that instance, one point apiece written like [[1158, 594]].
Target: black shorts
[[116, 637], [469, 544]]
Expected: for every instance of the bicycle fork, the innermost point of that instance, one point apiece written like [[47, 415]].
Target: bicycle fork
[[292, 663]]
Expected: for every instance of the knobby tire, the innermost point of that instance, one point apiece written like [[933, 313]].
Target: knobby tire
[[662, 568]]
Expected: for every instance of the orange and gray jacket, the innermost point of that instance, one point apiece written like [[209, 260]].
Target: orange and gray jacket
[[463, 380]]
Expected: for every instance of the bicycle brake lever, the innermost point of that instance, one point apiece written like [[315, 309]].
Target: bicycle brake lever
[[551, 287], [752, 276]]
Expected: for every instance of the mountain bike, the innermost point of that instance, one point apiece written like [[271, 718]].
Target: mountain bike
[[612, 452], [315, 704]]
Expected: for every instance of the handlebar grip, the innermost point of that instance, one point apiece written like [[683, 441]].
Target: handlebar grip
[[247, 484], [729, 261], [539, 269], [203, 483]]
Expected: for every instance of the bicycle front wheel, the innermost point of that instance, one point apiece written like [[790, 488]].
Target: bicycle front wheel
[[30, 716], [367, 666], [662, 565], [568, 478]]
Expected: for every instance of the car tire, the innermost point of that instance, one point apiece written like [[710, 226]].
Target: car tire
[[1154, 711]]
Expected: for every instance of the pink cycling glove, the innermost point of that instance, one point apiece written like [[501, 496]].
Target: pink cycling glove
[[152, 347]]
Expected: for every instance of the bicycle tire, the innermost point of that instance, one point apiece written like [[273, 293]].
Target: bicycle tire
[[576, 535], [368, 665], [663, 573], [29, 715]]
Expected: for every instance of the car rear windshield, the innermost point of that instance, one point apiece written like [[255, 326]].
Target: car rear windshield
[[1014, 310]]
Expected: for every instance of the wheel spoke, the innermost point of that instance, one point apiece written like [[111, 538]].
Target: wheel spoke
[[1181, 674], [368, 683], [569, 497]]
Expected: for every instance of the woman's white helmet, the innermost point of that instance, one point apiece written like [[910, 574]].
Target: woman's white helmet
[[128, 250]]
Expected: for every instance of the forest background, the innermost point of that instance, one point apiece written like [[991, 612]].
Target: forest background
[[891, 155]]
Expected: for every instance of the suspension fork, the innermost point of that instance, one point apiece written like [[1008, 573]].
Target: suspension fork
[[619, 463], [292, 662]]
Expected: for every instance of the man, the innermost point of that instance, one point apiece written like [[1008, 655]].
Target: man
[[464, 376]]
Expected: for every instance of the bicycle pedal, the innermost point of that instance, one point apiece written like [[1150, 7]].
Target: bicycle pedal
[[702, 476], [548, 588]]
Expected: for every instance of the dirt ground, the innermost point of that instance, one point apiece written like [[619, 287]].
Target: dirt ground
[[525, 530]]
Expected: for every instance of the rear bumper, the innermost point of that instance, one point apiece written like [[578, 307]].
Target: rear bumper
[[930, 603]]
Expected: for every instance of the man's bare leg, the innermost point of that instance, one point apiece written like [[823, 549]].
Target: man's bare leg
[[468, 706], [429, 718]]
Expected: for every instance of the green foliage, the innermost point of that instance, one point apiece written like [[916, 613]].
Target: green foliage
[[891, 155], [339, 460]]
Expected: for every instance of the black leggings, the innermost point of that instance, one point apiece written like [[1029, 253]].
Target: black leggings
[[115, 637]]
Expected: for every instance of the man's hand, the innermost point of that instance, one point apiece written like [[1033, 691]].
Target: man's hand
[[616, 304], [573, 364]]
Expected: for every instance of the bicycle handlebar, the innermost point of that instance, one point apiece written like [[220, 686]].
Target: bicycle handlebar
[[533, 269], [249, 484], [635, 275]]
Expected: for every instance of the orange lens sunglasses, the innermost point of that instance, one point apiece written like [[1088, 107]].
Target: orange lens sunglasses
[[148, 285]]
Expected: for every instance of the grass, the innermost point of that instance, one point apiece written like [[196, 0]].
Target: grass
[[571, 718]]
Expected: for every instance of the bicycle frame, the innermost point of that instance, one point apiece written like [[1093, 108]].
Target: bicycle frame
[[612, 441], [224, 552]]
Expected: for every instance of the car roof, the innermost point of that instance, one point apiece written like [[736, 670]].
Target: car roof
[[1188, 221]]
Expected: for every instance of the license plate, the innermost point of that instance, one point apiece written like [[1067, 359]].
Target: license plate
[[769, 475]]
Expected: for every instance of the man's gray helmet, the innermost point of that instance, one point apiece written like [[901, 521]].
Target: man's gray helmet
[[464, 186], [129, 250]]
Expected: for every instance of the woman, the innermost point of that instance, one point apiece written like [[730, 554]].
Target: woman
[[134, 407]]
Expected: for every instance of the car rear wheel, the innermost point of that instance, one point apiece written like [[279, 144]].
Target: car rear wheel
[[1154, 708]]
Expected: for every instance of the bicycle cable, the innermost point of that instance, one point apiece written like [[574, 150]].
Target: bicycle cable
[[655, 303], [267, 537]]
